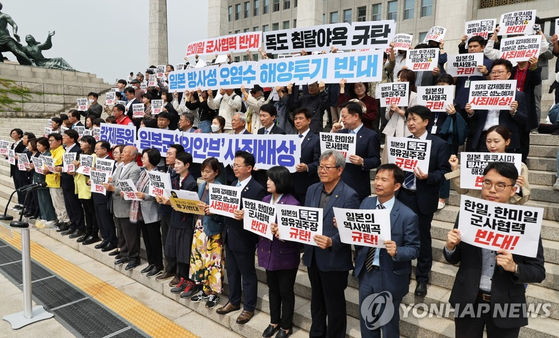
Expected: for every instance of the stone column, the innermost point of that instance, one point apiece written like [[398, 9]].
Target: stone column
[[309, 13], [158, 36], [217, 18]]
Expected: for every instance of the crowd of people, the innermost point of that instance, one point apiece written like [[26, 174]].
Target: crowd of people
[[195, 252]]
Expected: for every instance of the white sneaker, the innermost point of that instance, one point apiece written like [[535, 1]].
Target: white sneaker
[[50, 224], [39, 224], [556, 185], [441, 205]]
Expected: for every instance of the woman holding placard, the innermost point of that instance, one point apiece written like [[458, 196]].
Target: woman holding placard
[[396, 116], [497, 140]]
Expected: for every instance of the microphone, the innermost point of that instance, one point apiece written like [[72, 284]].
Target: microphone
[[32, 186]]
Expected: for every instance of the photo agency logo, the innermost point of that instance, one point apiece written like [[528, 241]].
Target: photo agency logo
[[377, 309]]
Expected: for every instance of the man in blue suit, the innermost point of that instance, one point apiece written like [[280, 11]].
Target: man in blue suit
[[367, 150], [420, 191], [329, 262], [305, 174], [387, 269]]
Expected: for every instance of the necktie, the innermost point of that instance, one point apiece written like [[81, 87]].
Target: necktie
[[372, 250], [300, 135], [267, 131], [409, 179], [238, 184]]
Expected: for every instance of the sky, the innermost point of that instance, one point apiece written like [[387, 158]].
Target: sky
[[108, 38]]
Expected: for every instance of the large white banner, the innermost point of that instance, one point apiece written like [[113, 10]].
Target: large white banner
[[236, 43], [369, 227]]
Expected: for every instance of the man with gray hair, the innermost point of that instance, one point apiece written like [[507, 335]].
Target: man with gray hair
[[239, 122], [186, 122], [329, 262]]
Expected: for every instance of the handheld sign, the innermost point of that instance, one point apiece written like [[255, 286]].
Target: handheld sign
[[138, 110], [159, 184], [464, 64], [258, 216], [156, 106], [402, 42], [519, 22], [299, 224], [492, 94], [472, 166], [105, 165], [408, 153], [160, 71], [38, 164], [520, 48], [82, 104], [11, 156], [393, 93], [86, 162], [185, 201], [436, 98], [224, 199], [370, 227], [128, 188], [422, 59], [79, 130], [4, 147], [48, 161], [480, 28], [110, 98], [435, 33], [495, 226], [22, 162], [97, 179], [344, 143]]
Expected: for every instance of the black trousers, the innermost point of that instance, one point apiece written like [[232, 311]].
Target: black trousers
[[91, 227], [171, 262], [105, 222], [73, 207], [152, 241], [472, 327], [131, 234], [18, 183], [121, 242], [240, 265], [327, 300], [282, 296]]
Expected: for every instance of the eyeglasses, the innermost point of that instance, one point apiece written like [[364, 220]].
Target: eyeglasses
[[325, 167], [495, 72], [238, 166], [499, 186]]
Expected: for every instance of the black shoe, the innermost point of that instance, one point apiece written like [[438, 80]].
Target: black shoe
[[154, 272], [284, 334], [32, 217], [121, 261], [109, 247], [270, 330], [119, 256], [132, 264], [70, 231], [18, 207], [91, 240], [114, 253], [82, 238], [78, 233], [148, 268], [421, 289], [62, 227], [101, 245]]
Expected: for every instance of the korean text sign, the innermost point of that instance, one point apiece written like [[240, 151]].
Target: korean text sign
[[258, 216], [464, 64], [422, 59], [519, 22], [299, 224], [480, 28], [224, 199], [492, 94], [436, 98], [408, 153], [472, 166], [185, 201], [236, 43], [393, 93], [369, 227], [344, 143], [520, 48]]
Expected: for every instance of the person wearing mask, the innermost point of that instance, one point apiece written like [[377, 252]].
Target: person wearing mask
[[218, 125]]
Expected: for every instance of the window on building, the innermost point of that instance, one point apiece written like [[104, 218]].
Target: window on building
[[246, 30], [230, 13], [256, 7], [347, 15], [276, 5], [256, 29], [361, 13], [247, 9], [294, 23], [237, 59], [265, 28], [495, 3], [285, 25], [426, 8], [376, 12], [266, 7], [237, 31], [422, 36], [334, 17], [286, 4], [392, 11], [237, 11], [295, 4], [254, 57], [275, 26], [323, 18], [409, 6]]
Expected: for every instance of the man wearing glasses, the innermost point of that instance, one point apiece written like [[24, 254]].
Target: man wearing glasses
[[488, 278]]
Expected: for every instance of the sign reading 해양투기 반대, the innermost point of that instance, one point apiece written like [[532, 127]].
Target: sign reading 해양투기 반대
[[224, 199], [402, 42], [258, 216], [366, 227], [97, 179], [342, 142], [492, 94], [236, 43], [117, 134], [520, 48], [519, 22], [472, 166], [480, 28], [408, 153], [436, 98], [299, 224], [185, 201], [330, 68], [422, 59], [494, 226], [159, 183], [396, 93], [464, 64], [435, 33]]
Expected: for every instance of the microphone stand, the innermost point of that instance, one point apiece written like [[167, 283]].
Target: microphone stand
[[7, 217]]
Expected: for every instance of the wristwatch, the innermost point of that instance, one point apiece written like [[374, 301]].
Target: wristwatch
[[517, 270]]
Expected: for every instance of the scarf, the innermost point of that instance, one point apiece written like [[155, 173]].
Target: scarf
[[135, 212]]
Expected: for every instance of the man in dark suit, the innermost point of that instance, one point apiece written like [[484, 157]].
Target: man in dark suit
[[19, 177], [238, 123], [387, 269], [73, 205], [240, 245], [479, 284], [267, 116], [306, 173], [102, 207], [74, 117], [130, 93], [367, 150], [420, 191], [484, 119], [329, 262]]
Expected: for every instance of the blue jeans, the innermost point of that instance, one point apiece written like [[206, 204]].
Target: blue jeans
[[554, 114]]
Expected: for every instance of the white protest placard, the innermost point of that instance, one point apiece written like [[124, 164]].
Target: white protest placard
[[520, 48], [408, 153], [472, 166], [110, 98], [156, 106], [4, 147], [365, 227], [48, 162], [236, 43], [435, 33], [518, 22], [258, 216], [402, 42], [224, 199], [11, 156], [185, 201], [86, 162], [436, 98], [22, 162], [120, 102], [38, 164], [393, 93], [97, 179], [138, 110], [129, 190], [47, 131], [159, 183], [79, 130], [82, 104], [480, 28], [492, 94], [160, 71], [422, 59], [152, 82], [342, 142], [96, 133], [179, 66], [299, 224], [464, 64], [105, 165], [495, 226], [87, 132]]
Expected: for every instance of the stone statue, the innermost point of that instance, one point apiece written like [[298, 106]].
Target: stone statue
[[34, 51], [9, 44]]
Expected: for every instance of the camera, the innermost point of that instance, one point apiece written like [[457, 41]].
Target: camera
[[536, 28]]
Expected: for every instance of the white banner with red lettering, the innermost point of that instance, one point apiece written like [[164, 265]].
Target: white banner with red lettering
[[159, 183], [492, 94], [464, 64], [472, 166], [236, 43], [258, 216], [224, 199], [520, 48], [299, 224], [480, 28], [519, 22], [422, 59], [436, 98], [402, 42], [369, 227], [393, 93], [408, 153], [344, 143]]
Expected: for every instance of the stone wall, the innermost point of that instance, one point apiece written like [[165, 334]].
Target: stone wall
[[53, 91]]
